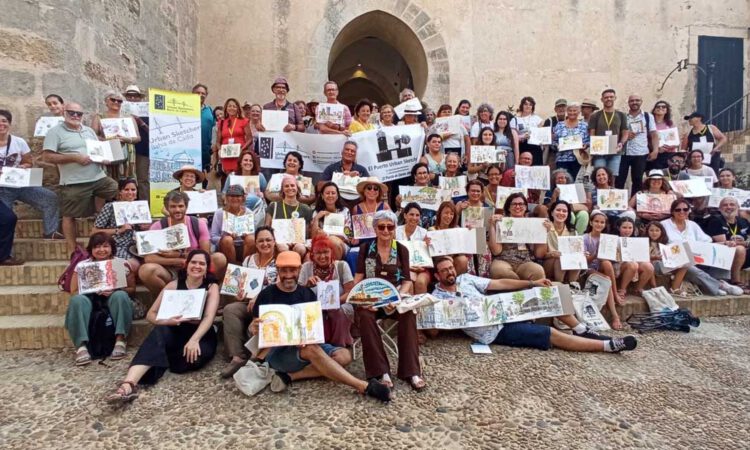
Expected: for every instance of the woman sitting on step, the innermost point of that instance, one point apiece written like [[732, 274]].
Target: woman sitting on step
[[101, 247], [175, 344]]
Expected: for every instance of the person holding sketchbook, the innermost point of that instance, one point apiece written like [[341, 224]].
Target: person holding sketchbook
[[84, 185], [280, 89], [452, 286], [731, 230], [560, 224], [123, 235], [15, 152], [293, 363], [330, 202], [290, 207], [175, 344], [101, 247], [233, 245], [161, 268], [293, 164], [113, 101], [701, 133], [322, 266]]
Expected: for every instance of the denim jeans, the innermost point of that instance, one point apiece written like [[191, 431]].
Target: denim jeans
[[38, 198], [611, 162]]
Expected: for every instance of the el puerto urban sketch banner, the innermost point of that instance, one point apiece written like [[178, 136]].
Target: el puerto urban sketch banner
[[174, 140], [387, 153]]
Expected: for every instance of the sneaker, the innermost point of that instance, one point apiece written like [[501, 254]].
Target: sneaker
[[56, 235], [722, 292], [280, 381], [12, 261], [730, 288], [591, 334], [623, 344], [378, 390]]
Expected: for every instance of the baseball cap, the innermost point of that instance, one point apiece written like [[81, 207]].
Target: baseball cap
[[561, 102], [235, 189], [288, 259], [695, 114]]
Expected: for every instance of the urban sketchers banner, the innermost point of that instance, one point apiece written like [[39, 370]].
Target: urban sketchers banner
[[388, 153], [174, 140]]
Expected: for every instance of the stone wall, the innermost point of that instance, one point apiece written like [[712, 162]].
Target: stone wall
[[494, 50], [81, 48]]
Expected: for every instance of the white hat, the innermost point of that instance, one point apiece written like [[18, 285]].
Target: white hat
[[134, 89]]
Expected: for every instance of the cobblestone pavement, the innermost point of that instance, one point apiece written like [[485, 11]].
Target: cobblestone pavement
[[676, 391]]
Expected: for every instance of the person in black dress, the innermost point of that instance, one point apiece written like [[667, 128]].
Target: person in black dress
[[175, 344]]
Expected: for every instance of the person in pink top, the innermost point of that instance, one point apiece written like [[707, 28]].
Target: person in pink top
[[160, 268]]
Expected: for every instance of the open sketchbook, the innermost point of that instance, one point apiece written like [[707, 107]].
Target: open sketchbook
[[242, 278], [283, 325], [187, 304], [99, 276], [167, 239]]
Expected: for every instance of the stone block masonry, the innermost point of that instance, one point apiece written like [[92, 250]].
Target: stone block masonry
[[80, 49]]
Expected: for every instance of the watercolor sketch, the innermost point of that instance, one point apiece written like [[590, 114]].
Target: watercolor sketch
[[654, 203], [251, 183], [419, 253], [99, 276], [532, 177], [362, 226], [669, 137], [330, 112], [527, 230], [612, 199], [245, 279], [328, 293], [202, 202], [230, 151], [134, 212], [289, 231], [570, 142], [283, 325], [119, 127], [238, 225], [571, 253], [188, 304], [154, 241]]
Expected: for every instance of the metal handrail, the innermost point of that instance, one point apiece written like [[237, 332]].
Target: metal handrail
[[739, 108]]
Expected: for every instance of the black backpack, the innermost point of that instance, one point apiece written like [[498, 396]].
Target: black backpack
[[101, 330]]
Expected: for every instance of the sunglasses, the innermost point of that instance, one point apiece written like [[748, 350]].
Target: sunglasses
[[74, 113], [660, 107], [386, 227], [115, 100], [681, 209], [372, 188]]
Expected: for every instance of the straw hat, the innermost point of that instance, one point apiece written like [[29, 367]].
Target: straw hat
[[188, 168], [583, 157], [367, 181]]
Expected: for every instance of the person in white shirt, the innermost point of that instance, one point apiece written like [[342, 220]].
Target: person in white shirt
[[641, 133]]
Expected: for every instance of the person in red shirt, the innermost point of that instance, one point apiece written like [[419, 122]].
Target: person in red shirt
[[233, 129]]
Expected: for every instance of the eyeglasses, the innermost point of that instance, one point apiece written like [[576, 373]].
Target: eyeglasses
[[518, 204], [660, 107], [115, 100], [384, 227], [372, 188], [74, 113], [681, 209]]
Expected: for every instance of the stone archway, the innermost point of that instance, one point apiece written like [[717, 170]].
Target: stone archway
[[401, 27], [377, 53]]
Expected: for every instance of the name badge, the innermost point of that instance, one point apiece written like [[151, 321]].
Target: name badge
[[608, 133], [230, 141]]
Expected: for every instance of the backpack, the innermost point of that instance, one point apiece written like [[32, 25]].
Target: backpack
[[67, 276], [194, 226], [101, 329]]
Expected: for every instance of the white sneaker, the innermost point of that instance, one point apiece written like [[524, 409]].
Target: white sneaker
[[730, 288], [722, 292]]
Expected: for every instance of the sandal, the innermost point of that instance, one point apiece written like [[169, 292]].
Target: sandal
[[82, 356], [417, 383], [678, 292], [119, 351], [121, 395], [384, 379]]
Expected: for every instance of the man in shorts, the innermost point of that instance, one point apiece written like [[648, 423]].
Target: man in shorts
[[521, 334], [293, 363], [81, 180]]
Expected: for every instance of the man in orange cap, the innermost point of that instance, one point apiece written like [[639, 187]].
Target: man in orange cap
[[305, 361]]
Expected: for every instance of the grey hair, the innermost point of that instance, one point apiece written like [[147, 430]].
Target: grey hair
[[731, 199], [350, 142], [568, 177], [112, 94], [385, 214], [573, 105], [401, 95], [486, 106], [176, 197]]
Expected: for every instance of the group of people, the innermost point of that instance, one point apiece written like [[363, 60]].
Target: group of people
[[292, 270]]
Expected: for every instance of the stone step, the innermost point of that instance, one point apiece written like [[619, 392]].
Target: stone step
[[33, 273], [45, 300], [48, 331], [35, 249], [32, 228]]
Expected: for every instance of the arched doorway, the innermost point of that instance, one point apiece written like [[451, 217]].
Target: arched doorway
[[376, 55]]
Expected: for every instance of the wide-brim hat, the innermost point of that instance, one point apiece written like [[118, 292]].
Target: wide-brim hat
[[590, 103], [655, 174], [280, 80], [583, 157], [198, 174], [371, 180], [132, 89]]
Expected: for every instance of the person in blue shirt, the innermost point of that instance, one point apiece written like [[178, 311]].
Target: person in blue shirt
[[207, 125]]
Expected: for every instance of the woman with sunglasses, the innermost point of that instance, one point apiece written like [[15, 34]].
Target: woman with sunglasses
[[123, 235], [514, 261], [654, 184], [387, 259], [681, 229], [662, 113], [371, 193], [113, 101], [175, 344]]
